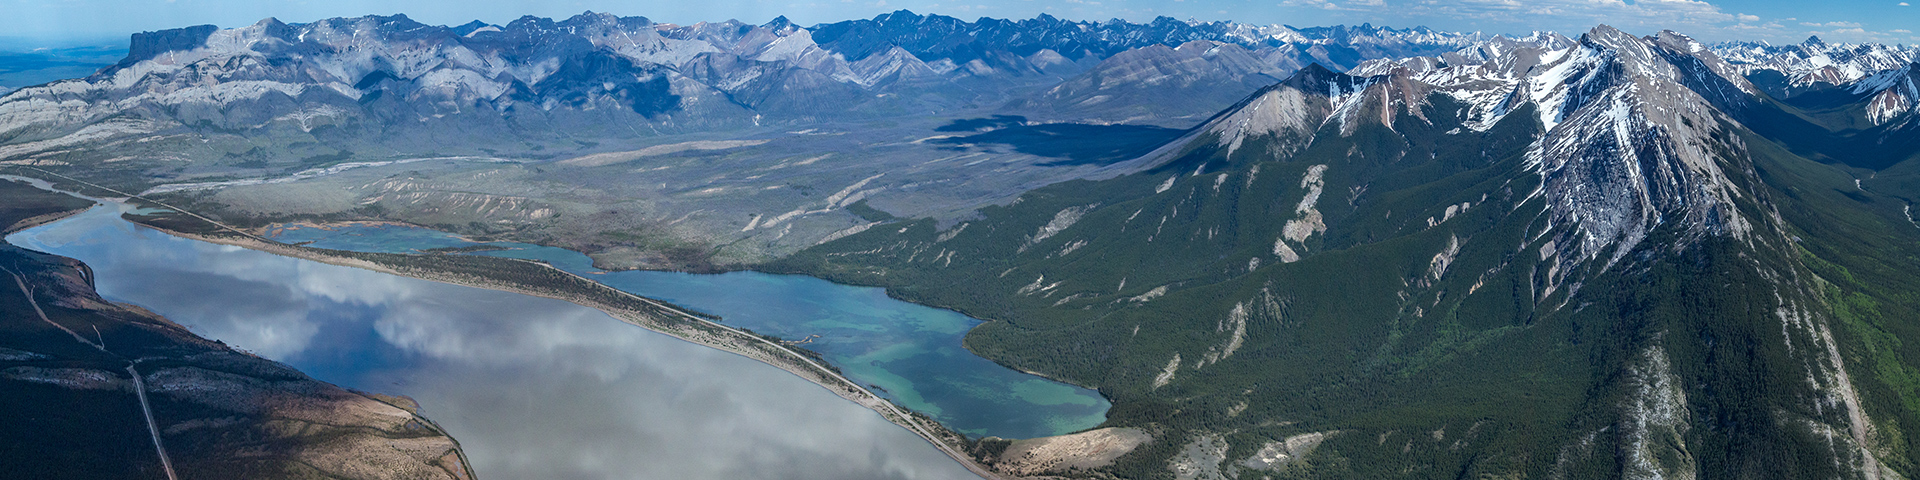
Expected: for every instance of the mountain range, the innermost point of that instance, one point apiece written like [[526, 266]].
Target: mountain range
[[1551, 258], [538, 77], [1340, 252]]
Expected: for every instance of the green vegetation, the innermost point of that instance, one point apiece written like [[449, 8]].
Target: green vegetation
[[1456, 349], [24, 204], [867, 212]]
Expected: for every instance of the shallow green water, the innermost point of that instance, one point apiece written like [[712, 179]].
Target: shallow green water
[[909, 353]]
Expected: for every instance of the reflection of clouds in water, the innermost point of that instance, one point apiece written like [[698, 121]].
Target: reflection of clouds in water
[[333, 283], [533, 388], [267, 319], [595, 398], [453, 324]]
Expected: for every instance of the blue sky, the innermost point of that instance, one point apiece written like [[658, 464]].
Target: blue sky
[[1888, 21]]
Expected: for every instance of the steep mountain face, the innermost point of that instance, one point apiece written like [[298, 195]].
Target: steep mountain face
[[210, 116], [1570, 260], [1177, 85], [1891, 94], [1511, 56], [1539, 257], [1866, 123], [398, 84], [1794, 69]]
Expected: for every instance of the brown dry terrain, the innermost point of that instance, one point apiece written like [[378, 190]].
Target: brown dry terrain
[[95, 389], [1065, 454]]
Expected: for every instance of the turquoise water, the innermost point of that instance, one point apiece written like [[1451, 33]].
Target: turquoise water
[[533, 388], [908, 353]]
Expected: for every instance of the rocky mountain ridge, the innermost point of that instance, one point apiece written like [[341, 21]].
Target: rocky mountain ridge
[[1815, 61], [1573, 259], [539, 77]]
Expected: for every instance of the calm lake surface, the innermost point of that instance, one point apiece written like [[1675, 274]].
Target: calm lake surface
[[532, 387], [908, 353]]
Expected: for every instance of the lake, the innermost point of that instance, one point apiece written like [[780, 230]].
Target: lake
[[908, 353], [532, 387]]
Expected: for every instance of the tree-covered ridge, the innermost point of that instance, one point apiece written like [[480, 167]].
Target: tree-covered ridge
[[1410, 290]]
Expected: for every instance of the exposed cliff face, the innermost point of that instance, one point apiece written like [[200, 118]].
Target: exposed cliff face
[[1890, 94], [1583, 230]]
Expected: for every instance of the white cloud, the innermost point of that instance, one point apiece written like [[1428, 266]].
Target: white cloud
[[1686, 15], [1904, 4], [1321, 4], [1860, 35], [1705, 20]]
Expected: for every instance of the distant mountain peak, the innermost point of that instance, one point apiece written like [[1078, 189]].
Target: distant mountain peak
[[1609, 37], [779, 23], [1813, 62], [470, 27]]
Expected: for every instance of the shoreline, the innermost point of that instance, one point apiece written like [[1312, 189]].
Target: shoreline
[[687, 327], [31, 222], [677, 322]]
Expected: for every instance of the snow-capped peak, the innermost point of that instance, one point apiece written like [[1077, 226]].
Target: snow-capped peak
[[1815, 61], [1892, 93]]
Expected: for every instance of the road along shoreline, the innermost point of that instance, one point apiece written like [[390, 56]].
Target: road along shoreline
[[654, 315], [540, 279]]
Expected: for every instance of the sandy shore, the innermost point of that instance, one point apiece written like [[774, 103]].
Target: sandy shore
[[39, 220]]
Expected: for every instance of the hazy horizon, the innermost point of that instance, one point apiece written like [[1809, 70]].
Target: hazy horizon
[[43, 23]]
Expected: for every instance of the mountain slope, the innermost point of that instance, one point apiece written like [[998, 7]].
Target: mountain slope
[[1157, 83], [389, 83], [647, 145], [1892, 94], [1793, 69], [1569, 261]]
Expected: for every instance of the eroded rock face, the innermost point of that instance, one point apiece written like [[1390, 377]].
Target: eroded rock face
[[1062, 454], [1201, 458], [1276, 454]]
